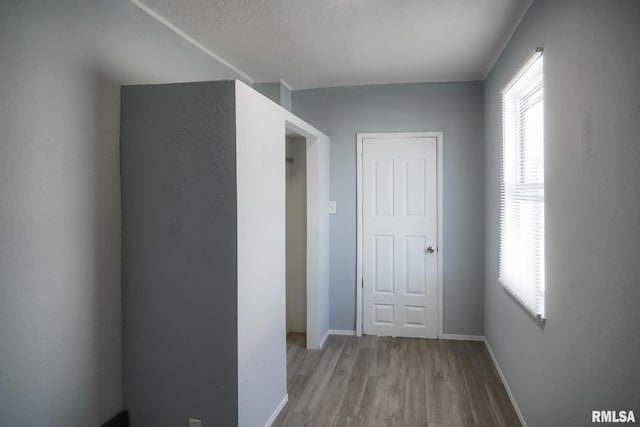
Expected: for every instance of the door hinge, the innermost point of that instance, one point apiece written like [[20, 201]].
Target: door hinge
[[362, 283]]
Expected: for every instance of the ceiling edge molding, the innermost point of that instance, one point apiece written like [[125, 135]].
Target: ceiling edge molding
[[345, 84], [189, 39], [506, 40]]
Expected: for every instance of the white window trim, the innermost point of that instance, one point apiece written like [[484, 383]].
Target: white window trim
[[538, 311]]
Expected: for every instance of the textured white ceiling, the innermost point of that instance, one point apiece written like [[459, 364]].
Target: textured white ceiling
[[322, 43]]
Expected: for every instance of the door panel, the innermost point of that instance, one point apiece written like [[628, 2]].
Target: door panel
[[415, 265], [415, 181], [399, 224], [383, 187], [384, 276]]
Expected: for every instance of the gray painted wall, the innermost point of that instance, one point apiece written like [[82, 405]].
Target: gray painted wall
[[270, 90], [455, 109], [586, 357], [277, 92], [179, 267], [60, 323], [285, 97]]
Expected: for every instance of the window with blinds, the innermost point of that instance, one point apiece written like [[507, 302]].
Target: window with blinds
[[522, 186]]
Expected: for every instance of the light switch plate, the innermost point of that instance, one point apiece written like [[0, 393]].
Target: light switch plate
[[332, 207], [195, 423]]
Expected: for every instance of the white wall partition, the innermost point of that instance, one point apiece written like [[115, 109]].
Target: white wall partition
[[203, 178], [260, 161], [262, 365]]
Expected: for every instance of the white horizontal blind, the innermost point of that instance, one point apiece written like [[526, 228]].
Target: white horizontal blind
[[522, 187]]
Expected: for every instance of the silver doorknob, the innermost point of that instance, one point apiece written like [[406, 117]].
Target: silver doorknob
[[430, 250]]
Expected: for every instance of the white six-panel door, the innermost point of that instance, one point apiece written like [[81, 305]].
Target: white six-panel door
[[399, 236]]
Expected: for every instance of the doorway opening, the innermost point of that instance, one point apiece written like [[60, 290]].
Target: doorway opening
[[296, 237], [309, 232]]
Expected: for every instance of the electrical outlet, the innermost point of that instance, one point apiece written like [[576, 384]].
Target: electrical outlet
[[195, 423]]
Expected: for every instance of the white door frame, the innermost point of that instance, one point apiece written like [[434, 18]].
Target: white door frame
[[317, 283], [360, 139]]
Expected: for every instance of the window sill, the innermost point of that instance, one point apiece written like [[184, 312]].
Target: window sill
[[537, 318]]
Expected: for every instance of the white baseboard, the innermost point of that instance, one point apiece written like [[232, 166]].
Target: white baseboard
[[324, 339], [336, 332], [342, 332], [506, 386], [463, 337], [275, 414]]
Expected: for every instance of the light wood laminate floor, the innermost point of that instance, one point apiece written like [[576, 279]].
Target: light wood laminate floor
[[397, 382]]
